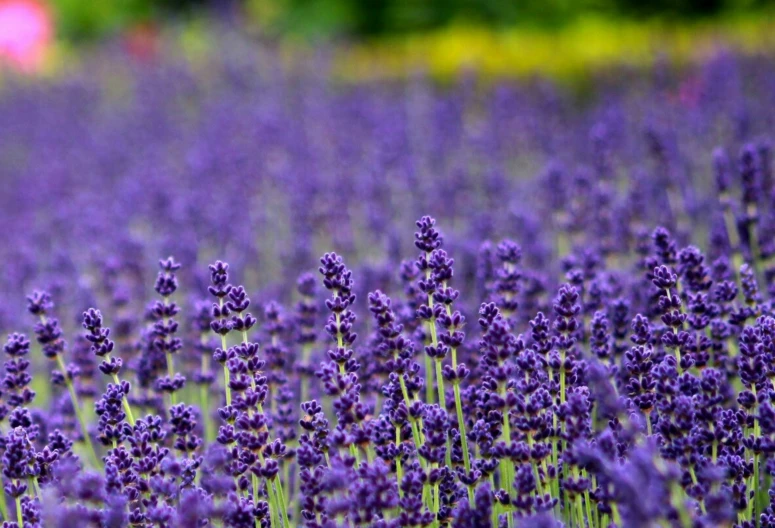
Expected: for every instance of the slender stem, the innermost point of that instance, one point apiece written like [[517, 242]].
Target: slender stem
[[439, 377], [254, 481], [648, 424], [442, 396], [125, 401], [226, 380], [755, 476], [676, 497], [509, 471], [273, 512], [416, 433], [588, 505], [3, 505], [204, 396], [305, 354], [339, 339], [78, 412], [226, 387], [171, 374], [577, 499], [428, 380], [615, 514], [579, 510], [562, 376], [19, 519], [507, 466], [436, 504], [461, 427], [287, 479], [443, 404], [558, 442], [281, 498], [471, 498], [434, 342], [399, 470]]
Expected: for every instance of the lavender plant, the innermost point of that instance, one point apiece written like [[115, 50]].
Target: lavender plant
[[586, 337]]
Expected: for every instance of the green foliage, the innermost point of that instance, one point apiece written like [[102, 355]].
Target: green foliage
[[380, 17], [77, 19]]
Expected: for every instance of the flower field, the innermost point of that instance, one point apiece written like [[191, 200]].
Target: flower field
[[238, 293]]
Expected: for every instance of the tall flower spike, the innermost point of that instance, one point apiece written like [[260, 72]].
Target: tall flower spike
[[204, 376], [220, 322], [50, 336], [434, 268], [17, 377], [102, 346], [339, 375], [165, 327]]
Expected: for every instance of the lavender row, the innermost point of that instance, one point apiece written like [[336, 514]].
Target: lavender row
[[588, 418], [588, 343]]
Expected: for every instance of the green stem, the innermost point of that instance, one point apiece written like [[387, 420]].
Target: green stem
[[507, 466], [562, 376], [3, 505], [428, 380], [615, 514], [274, 514], [436, 500], [676, 494], [416, 433], [399, 469], [461, 426], [254, 481], [305, 353], [19, 519], [509, 471], [204, 397], [78, 413], [125, 401], [558, 442], [755, 477], [434, 342], [273, 506], [339, 339], [171, 374], [443, 404], [588, 507], [281, 499], [648, 424], [226, 374], [36, 486], [577, 499], [579, 510]]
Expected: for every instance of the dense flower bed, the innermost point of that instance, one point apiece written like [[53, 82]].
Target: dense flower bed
[[581, 334]]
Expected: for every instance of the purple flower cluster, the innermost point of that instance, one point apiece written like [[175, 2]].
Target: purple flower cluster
[[590, 347]]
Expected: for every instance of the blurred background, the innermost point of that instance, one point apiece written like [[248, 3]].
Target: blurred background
[[388, 38]]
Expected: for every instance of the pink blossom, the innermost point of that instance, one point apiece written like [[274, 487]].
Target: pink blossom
[[26, 30]]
